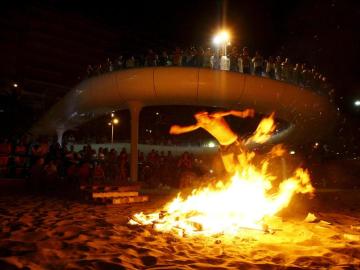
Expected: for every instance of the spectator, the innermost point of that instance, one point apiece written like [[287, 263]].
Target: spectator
[[270, 68], [177, 57], [120, 62], [286, 68], [215, 60], [130, 62], [258, 63], [84, 173], [151, 58], [163, 59], [278, 68], [36, 174], [199, 57], [98, 173], [306, 76], [109, 65], [244, 61], [112, 165], [50, 174], [89, 71], [233, 56], [123, 162], [206, 59], [187, 58], [296, 78]]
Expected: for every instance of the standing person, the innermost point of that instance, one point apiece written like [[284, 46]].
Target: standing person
[[89, 71], [215, 60], [278, 68], [123, 161], [177, 57], [163, 59], [120, 62], [206, 60], [233, 56], [286, 70], [199, 57], [258, 63], [151, 59], [130, 62], [270, 68], [244, 61], [216, 125], [296, 74]]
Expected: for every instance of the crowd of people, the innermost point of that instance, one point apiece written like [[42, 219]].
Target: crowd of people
[[48, 166], [237, 60]]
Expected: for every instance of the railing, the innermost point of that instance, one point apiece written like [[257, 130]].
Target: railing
[[304, 78]]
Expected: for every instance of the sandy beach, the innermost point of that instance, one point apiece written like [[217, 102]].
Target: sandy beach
[[44, 232]]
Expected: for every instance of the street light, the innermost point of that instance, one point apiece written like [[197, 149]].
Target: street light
[[114, 121], [357, 103], [222, 39]]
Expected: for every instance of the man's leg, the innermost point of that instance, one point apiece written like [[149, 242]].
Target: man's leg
[[229, 162]]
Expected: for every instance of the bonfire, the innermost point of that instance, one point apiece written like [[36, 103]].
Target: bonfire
[[245, 201]]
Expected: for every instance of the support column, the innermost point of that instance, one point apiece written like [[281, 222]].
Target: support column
[[60, 132], [135, 108]]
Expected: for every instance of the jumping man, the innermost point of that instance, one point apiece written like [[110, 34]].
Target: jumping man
[[215, 124]]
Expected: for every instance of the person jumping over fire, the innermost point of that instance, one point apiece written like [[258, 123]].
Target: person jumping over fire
[[230, 144]]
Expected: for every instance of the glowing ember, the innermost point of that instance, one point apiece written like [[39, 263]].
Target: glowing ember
[[244, 201]]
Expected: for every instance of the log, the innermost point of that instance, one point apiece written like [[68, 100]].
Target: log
[[114, 194], [125, 200]]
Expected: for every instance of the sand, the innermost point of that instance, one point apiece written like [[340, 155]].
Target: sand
[[44, 232]]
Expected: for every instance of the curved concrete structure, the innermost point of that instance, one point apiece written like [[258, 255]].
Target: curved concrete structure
[[310, 114]]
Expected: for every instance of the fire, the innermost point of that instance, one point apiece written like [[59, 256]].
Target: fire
[[244, 201], [264, 130]]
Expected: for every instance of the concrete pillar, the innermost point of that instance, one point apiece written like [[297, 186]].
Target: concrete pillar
[[60, 132], [135, 108]]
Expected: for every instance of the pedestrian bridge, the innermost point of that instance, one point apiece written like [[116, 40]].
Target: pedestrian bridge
[[310, 115]]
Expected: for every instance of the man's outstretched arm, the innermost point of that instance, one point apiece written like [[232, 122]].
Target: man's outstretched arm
[[175, 129], [242, 114]]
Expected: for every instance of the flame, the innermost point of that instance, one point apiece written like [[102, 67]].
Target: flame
[[264, 130], [227, 207]]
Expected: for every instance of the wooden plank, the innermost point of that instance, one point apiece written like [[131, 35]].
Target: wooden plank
[[125, 200], [128, 188], [114, 194], [110, 188]]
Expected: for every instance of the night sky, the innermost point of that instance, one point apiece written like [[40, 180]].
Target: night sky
[[325, 34]]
